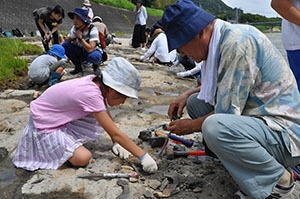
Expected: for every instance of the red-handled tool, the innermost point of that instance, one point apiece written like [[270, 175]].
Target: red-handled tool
[[177, 154], [195, 153]]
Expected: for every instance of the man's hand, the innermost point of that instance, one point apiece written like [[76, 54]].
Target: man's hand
[[176, 107], [181, 127]]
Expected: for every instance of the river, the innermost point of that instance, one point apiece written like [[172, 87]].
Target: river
[[276, 40]]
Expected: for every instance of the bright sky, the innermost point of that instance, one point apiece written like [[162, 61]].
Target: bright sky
[[261, 7]]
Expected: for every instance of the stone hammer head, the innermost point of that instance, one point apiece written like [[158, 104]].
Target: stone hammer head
[[176, 154]]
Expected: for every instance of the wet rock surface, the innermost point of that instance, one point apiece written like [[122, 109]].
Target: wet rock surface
[[180, 177]]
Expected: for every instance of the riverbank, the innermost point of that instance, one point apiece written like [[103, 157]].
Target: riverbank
[[191, 177]]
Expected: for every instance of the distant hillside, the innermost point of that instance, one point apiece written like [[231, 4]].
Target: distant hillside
[[215, 7], [222, 11], [18, 14]]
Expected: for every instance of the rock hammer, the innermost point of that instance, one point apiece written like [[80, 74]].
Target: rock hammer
[[171, 136], [177, 154]]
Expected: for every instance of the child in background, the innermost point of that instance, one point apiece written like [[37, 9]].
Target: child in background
[[111, 39], [69, 114], [48, 68]]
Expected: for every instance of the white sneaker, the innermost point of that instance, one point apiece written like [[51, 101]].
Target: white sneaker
[[292, 192], [295, 193], [240, 195]]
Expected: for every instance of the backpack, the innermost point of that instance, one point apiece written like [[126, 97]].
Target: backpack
[[16, 32], [101, 37]]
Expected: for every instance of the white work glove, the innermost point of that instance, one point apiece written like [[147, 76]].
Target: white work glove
[[149, 165], [142, 58], [184, 74], [120, 151]]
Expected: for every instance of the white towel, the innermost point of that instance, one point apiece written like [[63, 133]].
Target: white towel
[[209, 70]]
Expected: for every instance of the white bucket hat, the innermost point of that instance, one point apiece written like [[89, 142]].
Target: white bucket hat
[[86, 3], [122, 76]]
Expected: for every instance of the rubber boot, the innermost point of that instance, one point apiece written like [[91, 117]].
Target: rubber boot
[[97, 70], [53, 79]]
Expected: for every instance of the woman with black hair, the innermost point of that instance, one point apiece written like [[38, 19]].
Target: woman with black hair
[[139, 37], [48, 20]]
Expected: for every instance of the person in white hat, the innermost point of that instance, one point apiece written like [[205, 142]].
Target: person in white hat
[[87, 5], [102, 28], [74, 112]]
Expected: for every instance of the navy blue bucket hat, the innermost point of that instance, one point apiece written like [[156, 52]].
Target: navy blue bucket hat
[[182, 21], [80, 12]]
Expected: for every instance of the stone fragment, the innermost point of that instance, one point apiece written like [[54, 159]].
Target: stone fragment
[[148, 194], [145, 135], [153, 183], [126, 192]]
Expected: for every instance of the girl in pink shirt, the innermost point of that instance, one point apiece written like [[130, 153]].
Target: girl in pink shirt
[[71, 113]]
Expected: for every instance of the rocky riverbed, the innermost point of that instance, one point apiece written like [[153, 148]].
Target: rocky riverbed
[[177, 177]]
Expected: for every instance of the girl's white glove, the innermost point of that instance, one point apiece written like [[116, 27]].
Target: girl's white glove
[[149, 165], [120, 151]]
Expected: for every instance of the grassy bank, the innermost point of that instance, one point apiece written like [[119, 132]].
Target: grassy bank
[[127, 5], [12, 66]]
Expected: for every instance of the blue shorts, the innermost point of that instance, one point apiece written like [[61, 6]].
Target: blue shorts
[[294, 61]]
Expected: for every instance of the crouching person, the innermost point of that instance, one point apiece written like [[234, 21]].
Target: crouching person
[[248, 105], [57, 129], [81, 44], [48, 68]]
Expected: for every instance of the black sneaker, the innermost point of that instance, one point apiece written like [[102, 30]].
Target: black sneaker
[[75, 71]]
